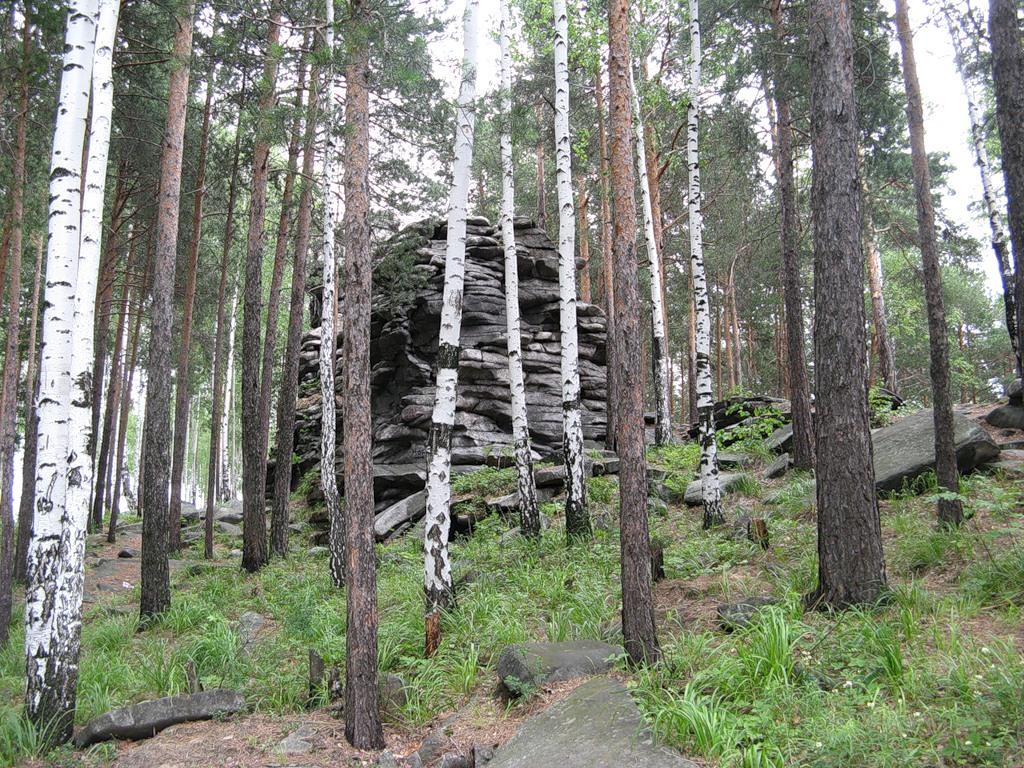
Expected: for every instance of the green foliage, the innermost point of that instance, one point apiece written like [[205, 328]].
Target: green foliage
[[766, 419], [881, 408], [487, 481]]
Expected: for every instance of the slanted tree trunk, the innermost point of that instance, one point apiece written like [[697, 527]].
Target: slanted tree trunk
[[182, 394], [83, 449], [53, 600], [363, 728], [638, 629], [1008, 79], [328, 336], [254, 454], [659, 335], [28, 469], [879, 315], [437, 583], [711, 494], [290, 375], [607, 266], [529, 518], [12, 360], [156, 586], [992, 208], [950, 510], [851, 566], [577, 520]]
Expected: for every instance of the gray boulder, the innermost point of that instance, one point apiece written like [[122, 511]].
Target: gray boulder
[[906, 450], [1008, 416], [529, 664], [140, 721], [777, 468], [596, 726], [781, 440], [726, 480]]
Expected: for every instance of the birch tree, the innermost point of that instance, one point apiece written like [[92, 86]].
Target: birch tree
[[529, 519], [711, 493], [659, 342], [82, 438], [577, 521], [328, 409], [437, 582], [53, 600], [992, 209]]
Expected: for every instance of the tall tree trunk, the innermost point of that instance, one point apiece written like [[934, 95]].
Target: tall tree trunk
[[290, 375], [784, 154], [254, 453], [53, 601], [120, 481], [182, 394], [363, 728], [28, 469], [992, 208], [529, 518], [638, 629], [1008, 79], [950, 510], [607, 267], [12, 361], [659, 335], [113, 391], [737, 345], [879, 316], [583, 228], [83, 439], [711, 494], [437, 583], [691, 345], [228, 478], [851, 566], [577, 520], [217, 422], [542, 204], [156, 587]]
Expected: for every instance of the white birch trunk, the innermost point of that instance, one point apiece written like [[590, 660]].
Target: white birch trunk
[[995, 215], [577, 521], [437, 582], [227, 480], [328, 334], [659, 342], [53, 603], [710, 490], [529, 519], [82, 439]]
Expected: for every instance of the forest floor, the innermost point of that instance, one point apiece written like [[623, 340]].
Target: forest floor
[[931, 677]]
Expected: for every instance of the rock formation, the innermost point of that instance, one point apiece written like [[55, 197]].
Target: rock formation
[[408, 277]]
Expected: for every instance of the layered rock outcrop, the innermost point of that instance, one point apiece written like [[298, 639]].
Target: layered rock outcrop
[[408, 281]]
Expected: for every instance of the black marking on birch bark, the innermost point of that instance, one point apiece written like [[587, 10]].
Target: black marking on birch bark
[[571, 405], [440, 437], [448, 355]]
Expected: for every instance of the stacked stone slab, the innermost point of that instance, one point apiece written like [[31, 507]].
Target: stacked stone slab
[[404, 345]]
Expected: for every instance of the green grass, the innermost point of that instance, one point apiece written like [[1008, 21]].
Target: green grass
[[932, 676]]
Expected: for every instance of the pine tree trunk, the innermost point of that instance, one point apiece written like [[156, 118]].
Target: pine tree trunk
[[638, 629], [254, 453], [529, 517], [156, 587], [12, 360], [28, 469], [183, 392], [950, 510], [607, 266], [290, 376], [577, 520], [659, 341], [363, 728], [53, 601], [437, 562], [784, 154], [1008, 82], [583, 229], [851, 567], [711, 494], [542, 204], [217, 421]]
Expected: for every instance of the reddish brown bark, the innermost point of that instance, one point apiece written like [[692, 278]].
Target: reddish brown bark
[[607, 263]]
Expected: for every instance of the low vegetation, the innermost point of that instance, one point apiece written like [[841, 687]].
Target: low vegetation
[[932, 676]]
